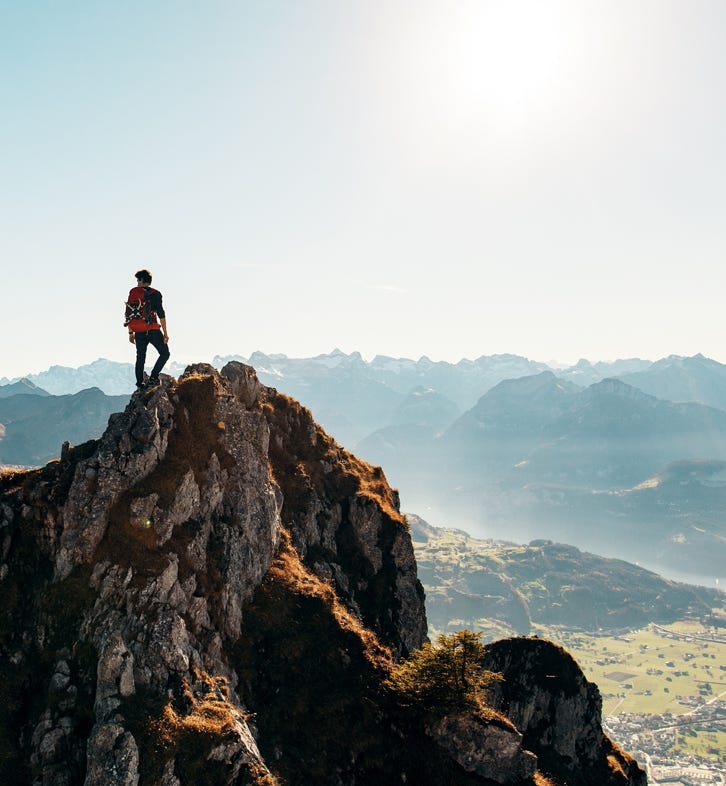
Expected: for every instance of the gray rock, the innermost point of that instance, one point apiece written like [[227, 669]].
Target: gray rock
[[113, 757], [489, 750]]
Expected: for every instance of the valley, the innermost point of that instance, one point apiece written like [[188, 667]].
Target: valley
[[663, 691], [656, 649]]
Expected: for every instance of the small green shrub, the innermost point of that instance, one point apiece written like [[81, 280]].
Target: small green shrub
[[445, 677]]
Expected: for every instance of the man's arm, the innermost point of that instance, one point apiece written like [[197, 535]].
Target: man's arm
[[159, 308]]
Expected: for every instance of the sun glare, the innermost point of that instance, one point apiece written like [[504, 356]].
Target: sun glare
[[526, 58], [505, 64], [492, 72]]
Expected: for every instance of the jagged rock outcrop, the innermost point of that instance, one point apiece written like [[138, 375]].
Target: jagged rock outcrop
[[214, 592], [493, 750], [547, 697]]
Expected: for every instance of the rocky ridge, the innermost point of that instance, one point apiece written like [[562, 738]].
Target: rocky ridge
[[214, 592]]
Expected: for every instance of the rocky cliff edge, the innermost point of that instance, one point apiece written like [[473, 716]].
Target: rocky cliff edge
[[214, 592]]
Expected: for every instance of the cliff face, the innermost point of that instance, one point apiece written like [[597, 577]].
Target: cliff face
[[545, 694], [213, 592]]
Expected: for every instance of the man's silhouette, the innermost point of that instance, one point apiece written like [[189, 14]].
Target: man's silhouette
[[142, 309]]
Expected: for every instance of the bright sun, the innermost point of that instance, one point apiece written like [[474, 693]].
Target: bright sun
[[505, 62], [493, 70]]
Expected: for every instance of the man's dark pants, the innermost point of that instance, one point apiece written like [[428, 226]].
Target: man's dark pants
[[142, 341]]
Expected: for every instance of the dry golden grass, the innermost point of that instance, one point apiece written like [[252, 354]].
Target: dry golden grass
[[12, 476], [543, 780], [308, 461], [186, 729], [8, 469], [615, 766], [490, 715], [208, 711], [289, 571], [372, 485], [259, 776]]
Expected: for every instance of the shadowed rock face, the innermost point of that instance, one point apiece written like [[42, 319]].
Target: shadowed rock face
[[545, 694], [213, 555]]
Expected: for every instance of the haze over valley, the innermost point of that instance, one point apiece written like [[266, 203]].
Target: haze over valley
[[501, 447]]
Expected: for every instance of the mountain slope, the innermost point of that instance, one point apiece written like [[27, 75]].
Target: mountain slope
[[494, 585], [23, 385], [677, 378], [35, 426], [613, 435], [214, 592], [354, 398], [538, 457], [585, 373], [610, 434]]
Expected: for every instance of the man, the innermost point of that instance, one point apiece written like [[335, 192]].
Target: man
[[142, 309]]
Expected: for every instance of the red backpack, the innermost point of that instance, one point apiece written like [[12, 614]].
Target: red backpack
[[139, 313]]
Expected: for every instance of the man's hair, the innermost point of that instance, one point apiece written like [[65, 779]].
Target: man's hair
[[143, 275]]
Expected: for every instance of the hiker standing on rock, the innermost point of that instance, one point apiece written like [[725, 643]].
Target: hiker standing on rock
[[142, 309]]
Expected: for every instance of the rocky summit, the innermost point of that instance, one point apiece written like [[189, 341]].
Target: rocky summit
[[215, 592]]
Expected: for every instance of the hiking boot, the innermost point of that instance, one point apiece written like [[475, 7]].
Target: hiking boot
[[152, 382]]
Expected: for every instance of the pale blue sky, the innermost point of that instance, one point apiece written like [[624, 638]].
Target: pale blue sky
[[453, 179]]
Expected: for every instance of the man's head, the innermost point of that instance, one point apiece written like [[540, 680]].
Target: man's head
[[143, 277]]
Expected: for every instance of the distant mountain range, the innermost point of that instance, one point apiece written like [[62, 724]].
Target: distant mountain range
[[608, 468], [23, 385], [109, 376], [625, 459], [33, 426], [353, 397], [682, 379], [610, 435]]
